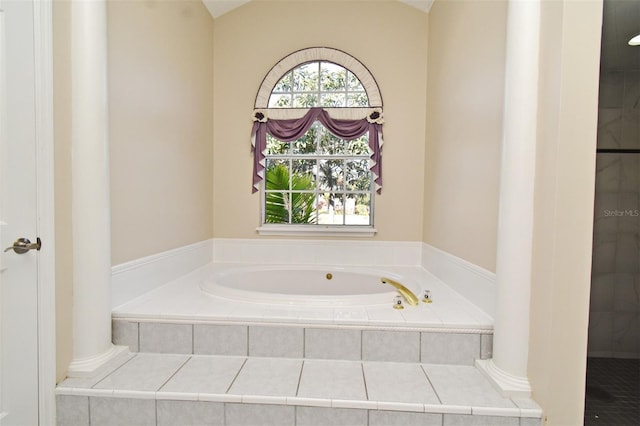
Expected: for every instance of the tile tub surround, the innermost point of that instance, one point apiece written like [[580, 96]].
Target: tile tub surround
[[446, 346], [157, 389]]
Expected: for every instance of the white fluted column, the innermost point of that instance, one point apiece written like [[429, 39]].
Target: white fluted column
[[508, 368], [90, 209]]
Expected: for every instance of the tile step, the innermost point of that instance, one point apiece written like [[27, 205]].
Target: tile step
[[204, 389], [428, 345]]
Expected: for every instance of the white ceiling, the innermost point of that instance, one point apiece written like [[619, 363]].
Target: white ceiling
[[220, 7], [621, 21]]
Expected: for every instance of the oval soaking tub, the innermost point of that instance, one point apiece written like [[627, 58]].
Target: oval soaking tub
[[305, 285]]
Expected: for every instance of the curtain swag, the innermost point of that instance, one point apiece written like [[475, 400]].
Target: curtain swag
[[289, 130]]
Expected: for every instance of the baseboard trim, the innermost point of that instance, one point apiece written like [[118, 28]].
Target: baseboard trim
[[132, 279]]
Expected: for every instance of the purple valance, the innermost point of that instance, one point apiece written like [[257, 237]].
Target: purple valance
[[289, 130]]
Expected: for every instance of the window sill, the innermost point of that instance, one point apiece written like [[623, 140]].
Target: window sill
[[317, 231]]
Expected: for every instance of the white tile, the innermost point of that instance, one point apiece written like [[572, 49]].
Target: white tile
[[72, 410], [88, 382], [401, 406], [219, 397], [393, 346], [125, 333], [449, 348], [276, 341], [264, 399], [447, 409], [308, 402], [145, 372], [189, 413], [166, 338], [319, 416], [486, 346], [118, 393], [464, 385], [332, 379], [259, 414], [268, 376], [122, 412], [466, 420], [394, 418], [398, 382], [494, 411], [177, 396], [210, 339], [323, 343], [205, 374], [354, 403]]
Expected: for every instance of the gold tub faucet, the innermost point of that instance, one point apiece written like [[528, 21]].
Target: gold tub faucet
[[408, 295]]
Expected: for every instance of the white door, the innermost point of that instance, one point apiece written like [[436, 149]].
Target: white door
[[18, 217]]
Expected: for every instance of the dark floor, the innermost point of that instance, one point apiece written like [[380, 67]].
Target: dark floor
[[613, 392]]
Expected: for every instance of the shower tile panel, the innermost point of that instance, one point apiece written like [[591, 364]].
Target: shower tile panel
[[145, 372], [122, 412], [403, 346], [323, 343], [268, 376], [284, 342], [189, 413], [205, 374], [398, 382], [464, 385], [332, 379], [209, 339], [450, 348], [166, 338]]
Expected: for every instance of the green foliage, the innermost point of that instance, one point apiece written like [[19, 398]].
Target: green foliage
[[282, 205]]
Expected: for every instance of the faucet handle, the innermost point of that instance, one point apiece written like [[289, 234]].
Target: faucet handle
[[397, 302]]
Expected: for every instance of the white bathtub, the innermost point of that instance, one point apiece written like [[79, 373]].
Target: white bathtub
[[305, 285]]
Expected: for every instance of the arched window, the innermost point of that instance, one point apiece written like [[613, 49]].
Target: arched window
[[317, 139]]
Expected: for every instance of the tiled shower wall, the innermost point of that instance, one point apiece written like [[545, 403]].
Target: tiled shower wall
[[614, 325]]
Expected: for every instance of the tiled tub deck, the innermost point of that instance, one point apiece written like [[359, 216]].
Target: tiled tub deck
[[201, 360]]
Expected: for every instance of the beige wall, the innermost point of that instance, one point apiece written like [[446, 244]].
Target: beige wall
[[570, 52], [387, 36], [161, 123], [62, 184], [464, 128], [161, 137]]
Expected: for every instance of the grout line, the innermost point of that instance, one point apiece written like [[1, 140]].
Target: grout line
[[138, 335], [430, 383], [300, 378], [119, 367], [174, 373], [236, 376], [193, 339], [361, 345], [364, 381], [248, 330]]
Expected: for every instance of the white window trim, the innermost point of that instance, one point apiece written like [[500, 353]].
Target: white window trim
[[262, 102], [319, 54], [316, 230]]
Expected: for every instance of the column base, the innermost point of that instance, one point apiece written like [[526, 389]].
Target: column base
[[93, 366], [507, 384]]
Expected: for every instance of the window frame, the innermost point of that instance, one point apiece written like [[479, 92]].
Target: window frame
[[367, 82]]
